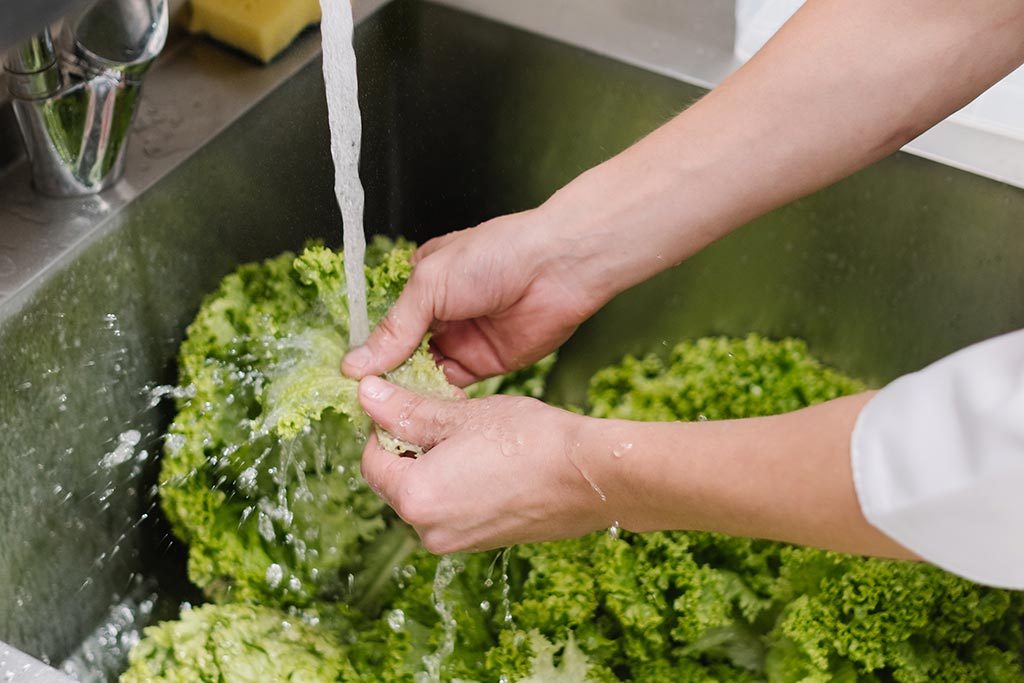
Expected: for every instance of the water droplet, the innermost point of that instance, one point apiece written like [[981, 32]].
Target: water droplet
[[274, 575], [613, 531], [506, 588], [265, 527], [396, 620], [122, 453], [622, 449], [593, 485], [247, 481]]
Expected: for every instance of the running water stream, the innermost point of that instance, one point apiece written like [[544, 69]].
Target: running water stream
[[339, 63], [346, 134]]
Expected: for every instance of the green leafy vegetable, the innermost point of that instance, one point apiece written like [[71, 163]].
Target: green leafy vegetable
[[529, 381], [261, 478], [261, 470], [706, 607], [240, 644]]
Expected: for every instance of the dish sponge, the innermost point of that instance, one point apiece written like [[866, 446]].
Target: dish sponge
[[261, 28]]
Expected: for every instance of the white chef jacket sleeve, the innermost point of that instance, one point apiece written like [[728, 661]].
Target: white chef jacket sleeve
[[938, 462]]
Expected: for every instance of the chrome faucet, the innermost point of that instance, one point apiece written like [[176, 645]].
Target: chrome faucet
[[75, 98]]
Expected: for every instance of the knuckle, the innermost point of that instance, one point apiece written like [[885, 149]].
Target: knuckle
[[425, 272], [523, 402], [413, 408], [382, 476], [415, 506], [428, 280], [438, 543], [446, 416], [390, 326]]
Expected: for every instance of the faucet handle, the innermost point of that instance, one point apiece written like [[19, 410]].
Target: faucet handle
[[123, 36], [75, 109]]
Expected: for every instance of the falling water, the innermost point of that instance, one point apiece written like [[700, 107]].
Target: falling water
[[432, 663], [506, 588], [346, 134]]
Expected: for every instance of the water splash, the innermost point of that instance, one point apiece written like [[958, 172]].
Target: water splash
[[506, 589], [104, 653], [447, 569], [125, 449]]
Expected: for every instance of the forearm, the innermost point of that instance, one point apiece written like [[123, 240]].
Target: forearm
[[843, 84], [785, 478]]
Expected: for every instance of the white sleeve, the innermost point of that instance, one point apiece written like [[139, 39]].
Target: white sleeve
[[938, 462]]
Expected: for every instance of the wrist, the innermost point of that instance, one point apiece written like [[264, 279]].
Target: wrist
[[582, 477], [626, 220], [567, 249], [613, 473]]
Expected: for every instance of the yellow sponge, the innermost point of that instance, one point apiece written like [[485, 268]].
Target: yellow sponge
[[263, 28]]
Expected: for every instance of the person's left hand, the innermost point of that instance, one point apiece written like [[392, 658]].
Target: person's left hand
[[497, 471]]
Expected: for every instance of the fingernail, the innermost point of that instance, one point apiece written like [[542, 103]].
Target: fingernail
[[376, 389], [359, 357]]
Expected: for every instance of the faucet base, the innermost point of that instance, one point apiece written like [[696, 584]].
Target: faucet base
[[75, 106]]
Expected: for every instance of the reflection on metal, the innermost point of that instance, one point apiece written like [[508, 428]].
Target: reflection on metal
[[75, 105], [18, 666]]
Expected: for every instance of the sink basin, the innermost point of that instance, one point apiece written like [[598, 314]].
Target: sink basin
[[464, 119]]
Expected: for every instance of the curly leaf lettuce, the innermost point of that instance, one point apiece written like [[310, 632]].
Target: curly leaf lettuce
[[260, 474], [675, 606], [239, 644]]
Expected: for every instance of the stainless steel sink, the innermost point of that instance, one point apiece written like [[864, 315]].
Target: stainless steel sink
[[464, 119]]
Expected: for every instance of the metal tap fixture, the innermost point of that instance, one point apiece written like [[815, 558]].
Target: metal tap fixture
[[75, 98]]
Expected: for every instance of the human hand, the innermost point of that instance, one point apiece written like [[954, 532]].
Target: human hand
[[498, 471], [497, 297]]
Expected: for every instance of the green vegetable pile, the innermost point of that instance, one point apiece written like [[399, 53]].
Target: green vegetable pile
[[311, 578], [705, 607], [260, 476]]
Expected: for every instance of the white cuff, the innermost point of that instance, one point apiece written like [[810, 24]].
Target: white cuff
[[938, 462]]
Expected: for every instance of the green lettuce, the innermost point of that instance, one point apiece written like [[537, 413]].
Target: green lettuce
[[261, 479], [678, 606], [240, 644], [260, 474]]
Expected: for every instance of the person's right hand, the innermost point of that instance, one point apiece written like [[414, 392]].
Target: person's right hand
[[496, 297]]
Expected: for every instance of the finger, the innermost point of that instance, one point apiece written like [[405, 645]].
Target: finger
[[457, 374], [411, 417], [384, 471], [464, 340], [396, 336]]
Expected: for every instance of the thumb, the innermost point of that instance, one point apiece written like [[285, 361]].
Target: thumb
[[411, 417], [396, 336]]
